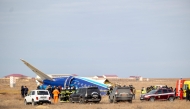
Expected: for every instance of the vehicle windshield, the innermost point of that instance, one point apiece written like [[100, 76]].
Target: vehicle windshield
[[152, 92], [123, 90], [93, 90], [42, 92]]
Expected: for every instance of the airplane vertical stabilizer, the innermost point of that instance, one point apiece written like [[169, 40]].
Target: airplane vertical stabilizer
[[42, 75]]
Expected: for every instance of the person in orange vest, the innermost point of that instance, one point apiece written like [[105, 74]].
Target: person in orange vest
[[55, 93], [181, 94]]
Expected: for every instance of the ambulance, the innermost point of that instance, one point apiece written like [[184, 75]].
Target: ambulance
[[184, 84]]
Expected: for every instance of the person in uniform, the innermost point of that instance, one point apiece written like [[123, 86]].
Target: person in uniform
[[181, 94], [55, 95], [143, 91]]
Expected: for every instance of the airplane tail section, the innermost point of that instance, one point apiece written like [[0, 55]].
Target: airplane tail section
[[35, 70]]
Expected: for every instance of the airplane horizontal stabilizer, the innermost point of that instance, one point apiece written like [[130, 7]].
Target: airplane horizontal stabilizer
[[35, 70]]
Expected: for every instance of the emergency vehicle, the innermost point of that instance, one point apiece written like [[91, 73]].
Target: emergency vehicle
[[182, 84]]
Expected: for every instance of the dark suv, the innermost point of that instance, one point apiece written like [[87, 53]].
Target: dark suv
[[159, 94], [84, 95], [121, 94]]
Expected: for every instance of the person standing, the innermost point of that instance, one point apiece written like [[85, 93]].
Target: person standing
[[38, 87], [134, 92], [25, 91], [49, 90], [143, 91], [181, 94], [175, 91], [22, 91], [187, 94], [55, 95], [52, 89]]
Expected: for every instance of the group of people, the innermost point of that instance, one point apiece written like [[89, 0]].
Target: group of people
[[133, 90], [187, 92], [53, 91], [148, 89], [24, 91]]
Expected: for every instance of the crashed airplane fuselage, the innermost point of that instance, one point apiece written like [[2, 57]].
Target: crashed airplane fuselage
[[67, 81]]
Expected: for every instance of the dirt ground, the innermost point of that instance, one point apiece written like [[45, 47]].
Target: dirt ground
[[10, 97]]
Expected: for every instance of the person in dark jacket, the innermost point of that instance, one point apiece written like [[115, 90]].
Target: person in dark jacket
[[49, 88], [38, 87], [22, 91], [53, 88], [175, 91], [187, 94], [25, 91]]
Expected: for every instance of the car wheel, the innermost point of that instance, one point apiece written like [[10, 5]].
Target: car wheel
[[25, 102], [33, 103], [171, 99], [152, 99]]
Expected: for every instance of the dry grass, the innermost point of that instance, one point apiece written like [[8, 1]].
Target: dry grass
[[10, 98]]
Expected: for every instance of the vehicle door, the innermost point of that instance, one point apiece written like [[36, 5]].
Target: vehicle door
[[76, 95], [43, 95], [124, 92], [29, 96], [164, 94], [185, 86], [158, 94]]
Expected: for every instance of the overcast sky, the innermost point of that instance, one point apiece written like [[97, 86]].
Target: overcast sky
[[148, 38]]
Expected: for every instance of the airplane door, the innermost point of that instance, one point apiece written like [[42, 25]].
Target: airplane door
[[68, 81]]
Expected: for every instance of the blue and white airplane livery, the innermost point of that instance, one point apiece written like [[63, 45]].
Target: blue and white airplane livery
[[67, 81]]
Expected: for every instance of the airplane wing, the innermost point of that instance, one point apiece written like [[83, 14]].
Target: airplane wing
[[38, 72]]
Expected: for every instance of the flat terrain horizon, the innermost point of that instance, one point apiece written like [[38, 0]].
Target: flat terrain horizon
[[10, 98]]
